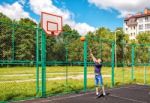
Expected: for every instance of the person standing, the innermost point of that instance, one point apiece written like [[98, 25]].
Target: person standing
[[98, 75]]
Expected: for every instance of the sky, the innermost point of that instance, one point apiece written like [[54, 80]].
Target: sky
[[82, 15]]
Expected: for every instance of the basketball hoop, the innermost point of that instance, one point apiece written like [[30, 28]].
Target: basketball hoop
[[51, 24]]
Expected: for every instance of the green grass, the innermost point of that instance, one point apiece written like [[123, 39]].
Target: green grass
[[19, 82]]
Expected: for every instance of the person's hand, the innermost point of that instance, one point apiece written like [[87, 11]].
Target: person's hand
[[91, 54]]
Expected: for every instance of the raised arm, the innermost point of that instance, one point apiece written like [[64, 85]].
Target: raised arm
[[91, 54]]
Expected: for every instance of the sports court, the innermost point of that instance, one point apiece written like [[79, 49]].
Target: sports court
[[124, 94]]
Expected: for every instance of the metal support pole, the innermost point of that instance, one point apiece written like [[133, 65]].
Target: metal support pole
[[132, 70], [66, 65], [43, 64], [115, 51], [112, 65], [85, 65], [37, 60]]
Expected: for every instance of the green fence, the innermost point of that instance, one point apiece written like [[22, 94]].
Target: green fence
[[134, 67], [17, 58], [34, 65]]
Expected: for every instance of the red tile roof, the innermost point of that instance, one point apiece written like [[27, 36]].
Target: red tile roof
[[136, 16]]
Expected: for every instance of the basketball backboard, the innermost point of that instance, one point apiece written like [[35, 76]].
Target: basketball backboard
[[51, 23]]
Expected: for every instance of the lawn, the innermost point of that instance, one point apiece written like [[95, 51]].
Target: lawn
[[20, 82]]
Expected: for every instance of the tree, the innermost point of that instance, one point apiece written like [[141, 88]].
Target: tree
[[143, 38], [5, 37], [4, 18], [103, 33], [27, 22], [142, 51], [99, 42], [69, 34], [25, 39]]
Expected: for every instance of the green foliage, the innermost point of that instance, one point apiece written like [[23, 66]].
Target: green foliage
[[21, 37], [18, 40], [27, 22], [4, 18], [69, 35], [24, 43], [144, 38], [75, 50], [5, 38]]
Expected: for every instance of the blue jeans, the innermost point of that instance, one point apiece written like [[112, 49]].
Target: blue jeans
[[98, 79]]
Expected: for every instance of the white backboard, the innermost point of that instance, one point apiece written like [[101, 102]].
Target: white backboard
[[51, 23]]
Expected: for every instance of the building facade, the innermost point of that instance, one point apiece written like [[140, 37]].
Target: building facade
[[136, 24]]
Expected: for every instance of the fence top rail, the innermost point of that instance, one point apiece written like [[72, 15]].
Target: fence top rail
[[142, 44], [136, 44]]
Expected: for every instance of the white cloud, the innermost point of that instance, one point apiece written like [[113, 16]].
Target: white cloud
[[14, 11], [83, 28], [48, 6], [123, 6]]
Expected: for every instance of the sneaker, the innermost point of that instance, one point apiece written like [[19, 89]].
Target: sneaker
[[104, 94], [97, 94]]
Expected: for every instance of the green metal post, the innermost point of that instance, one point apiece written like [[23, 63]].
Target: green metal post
[[66, 65], [112, 64], [85, 65], [37, 60], [13, 43], [132, 70], [43, 58]]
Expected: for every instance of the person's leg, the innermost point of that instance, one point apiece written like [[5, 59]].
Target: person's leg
[[97, 91], [103, 90], [102, 85], [96, 85]]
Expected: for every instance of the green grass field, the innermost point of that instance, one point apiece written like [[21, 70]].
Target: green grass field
[[20, 82]]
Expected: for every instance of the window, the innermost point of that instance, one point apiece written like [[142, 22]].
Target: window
[[140, 20], [147, 26], [140, 27], [147, 19]]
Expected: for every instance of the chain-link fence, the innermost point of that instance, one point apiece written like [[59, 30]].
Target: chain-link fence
[[17, 59], [134, 66]]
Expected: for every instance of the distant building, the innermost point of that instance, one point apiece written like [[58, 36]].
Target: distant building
[[135, 24]]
